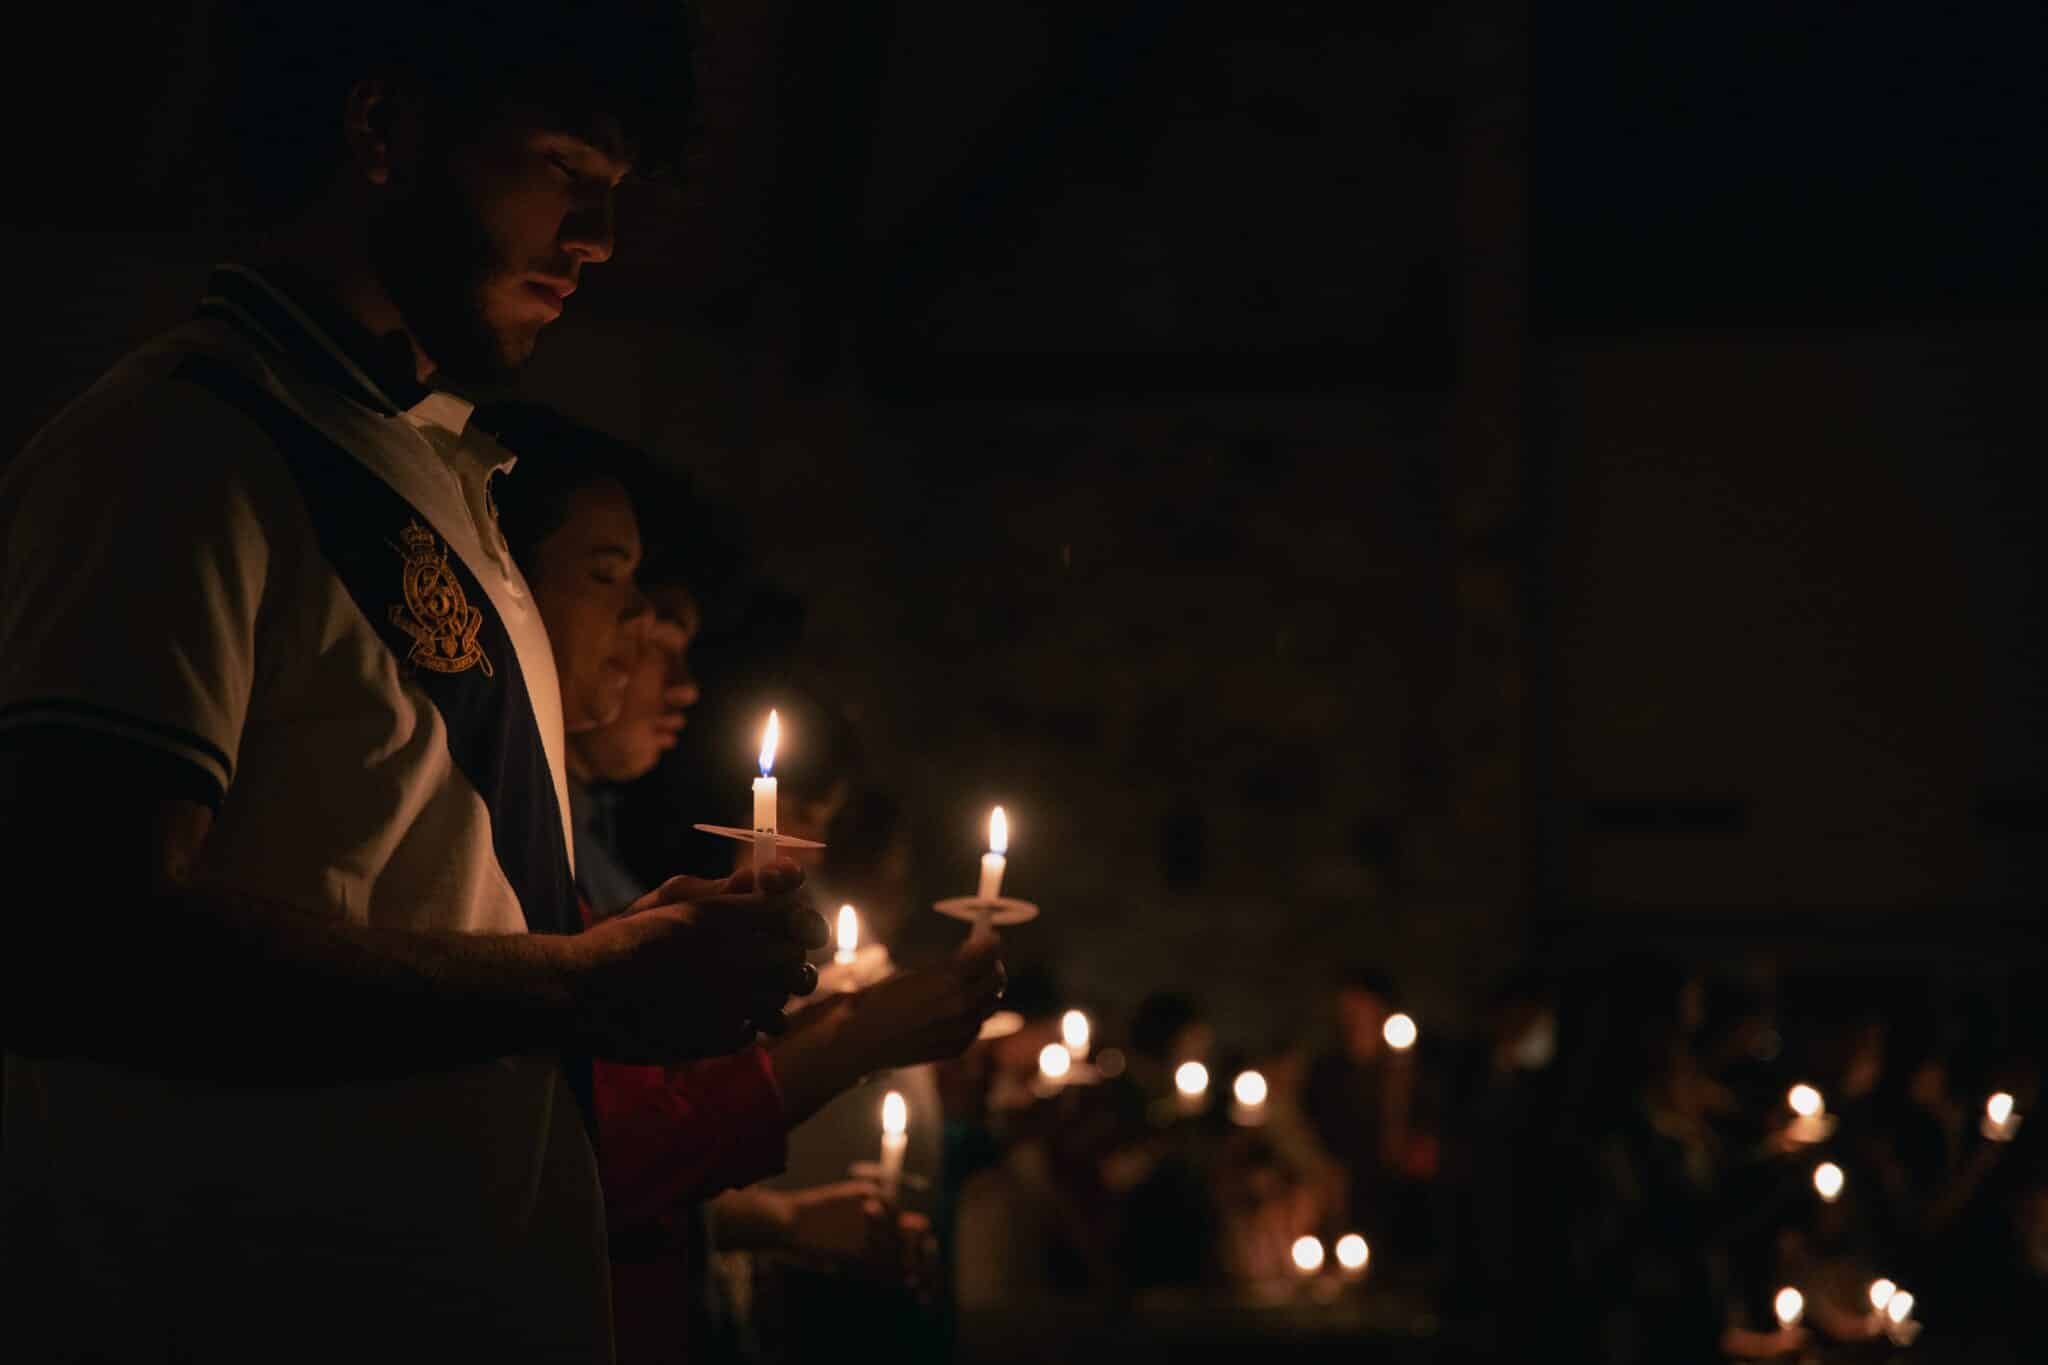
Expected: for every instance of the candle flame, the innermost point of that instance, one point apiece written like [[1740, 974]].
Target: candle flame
[[1827, 1178], [1899, 1306], [895, 1114], [849, 929], [1881, 1292], [1250, 1088], [1054, 1061], [1352, 1251], [1998, 1108], [1074, 1030], [1308, 1255], [1191, 1079], [770, 736], [998, 831], [1805, 1100], [1791, 1305], [1400, 1032]]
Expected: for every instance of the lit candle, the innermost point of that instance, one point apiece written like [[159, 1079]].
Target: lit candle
[[1790, 1305], [1352, 1254], [1054, 1062], [1809, 1113], [2000, 1122], [1248, 1099], [993, 862], [764, 796], [1308, 1255], [1881, 1291], [1827, 1181], [1074, 1033], [848, 936], [1191, 1082], [895, 1137], [1400, 1032], [1898, 1315]]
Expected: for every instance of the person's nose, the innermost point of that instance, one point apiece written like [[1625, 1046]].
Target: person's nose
[[589, 232], [682, 688]]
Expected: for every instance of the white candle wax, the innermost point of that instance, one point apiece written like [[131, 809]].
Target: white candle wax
[[895, 1137], [992, 865]]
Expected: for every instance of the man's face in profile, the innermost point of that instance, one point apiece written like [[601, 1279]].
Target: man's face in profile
[[483, 247]]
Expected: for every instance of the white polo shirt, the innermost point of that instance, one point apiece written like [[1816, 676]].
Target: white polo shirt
[[242, 550]]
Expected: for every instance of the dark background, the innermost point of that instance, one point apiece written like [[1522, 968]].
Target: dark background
[[1422, 483]]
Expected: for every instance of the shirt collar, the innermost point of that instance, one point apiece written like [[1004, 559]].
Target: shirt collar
[[292, 314]]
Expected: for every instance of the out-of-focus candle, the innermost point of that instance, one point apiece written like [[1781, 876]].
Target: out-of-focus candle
[[1352, 1254], [1809, 1113], [1881, 1291], [2000, 1122], [1790, 1306], [993, 861], [1827, 1181], [1898, 1315], [1400, 1032], [1054, 1062], [1307, 1253], [848, 936], [1074, 1033], [895, 1137], [764, 795], [1248, 1099], [1191, 1083]]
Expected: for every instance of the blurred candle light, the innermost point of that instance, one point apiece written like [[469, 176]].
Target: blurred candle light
[[1352, 1253], [1054, 1062], [1809, 1113], [1899, 1306], [764, 795], [1898, 1314], [1790, 1306], [1400, 1032], [1827, 1181], [1191, 1081], [1881, 1291], [895, 1137], [848, 936], [1248, 1099], [2000, 1122], [1805, 1100], [1308, 1254], [1074, 1033]]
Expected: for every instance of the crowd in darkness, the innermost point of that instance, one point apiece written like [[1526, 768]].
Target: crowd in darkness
[[1611, 1158]]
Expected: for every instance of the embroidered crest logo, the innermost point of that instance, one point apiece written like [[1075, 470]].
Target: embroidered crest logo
[[435, 612]]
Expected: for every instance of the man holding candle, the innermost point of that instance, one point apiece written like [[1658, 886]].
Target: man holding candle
[[306, 1073], [673, 1137]]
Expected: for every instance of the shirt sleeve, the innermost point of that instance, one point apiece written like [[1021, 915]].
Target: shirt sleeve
[[669, 1136], [133, 561]]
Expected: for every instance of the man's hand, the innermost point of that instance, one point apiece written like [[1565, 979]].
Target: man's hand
[[931, 1013], [694, 968], [849, 1223]]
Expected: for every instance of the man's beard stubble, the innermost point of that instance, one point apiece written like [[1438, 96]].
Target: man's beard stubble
[[433, 256]]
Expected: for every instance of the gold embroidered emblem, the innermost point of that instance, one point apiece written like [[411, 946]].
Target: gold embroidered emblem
[[435, 612]]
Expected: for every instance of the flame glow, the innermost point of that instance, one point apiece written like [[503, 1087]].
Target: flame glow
[[1805, 1100], [1250, 1089], [1352, 1251], [1191, 1079], [1827, 1179], [1881, 1292], [849, 931], [1998, 1108], [1074, 1030], [1308, 1255], [770, 737], [998, 831], [1400, 1032], [1054, 1061], [1791, 1306], [895, 1113], [1899, 1306]]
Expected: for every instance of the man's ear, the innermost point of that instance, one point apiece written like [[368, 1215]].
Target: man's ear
[[382, 130]]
